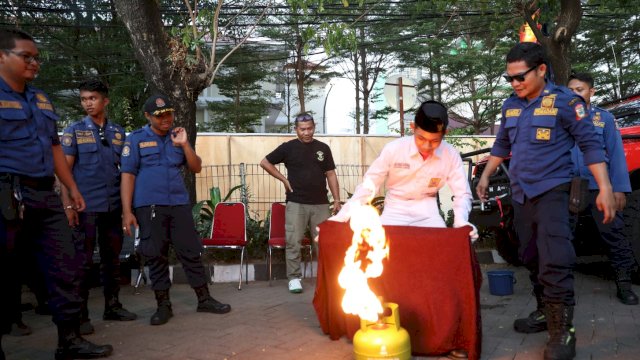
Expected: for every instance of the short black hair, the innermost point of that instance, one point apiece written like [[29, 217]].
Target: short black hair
[[432, 117], [9, 36], [531, 53], [584, 77], [94, 85]]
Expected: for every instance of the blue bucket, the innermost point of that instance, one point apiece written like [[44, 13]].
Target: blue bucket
[[501, 282]]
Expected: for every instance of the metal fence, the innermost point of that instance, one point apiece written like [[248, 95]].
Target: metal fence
[[259, 189]]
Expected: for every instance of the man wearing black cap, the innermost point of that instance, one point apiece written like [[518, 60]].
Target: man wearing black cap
[[152, 187], [415, 168]]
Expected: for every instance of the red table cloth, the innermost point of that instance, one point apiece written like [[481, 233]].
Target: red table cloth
[[431, 273]]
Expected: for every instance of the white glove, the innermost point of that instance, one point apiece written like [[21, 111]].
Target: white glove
[[473, 235]]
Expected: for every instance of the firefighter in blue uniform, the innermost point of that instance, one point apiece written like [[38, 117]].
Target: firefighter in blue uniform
[[92, 148], [30, 154], [540, 124], [152, 187], [620, 252]]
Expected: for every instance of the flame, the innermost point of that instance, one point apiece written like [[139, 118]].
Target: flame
[[363, 260]]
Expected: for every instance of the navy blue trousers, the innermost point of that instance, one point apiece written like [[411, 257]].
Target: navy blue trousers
[[544, 229], [164, 225]]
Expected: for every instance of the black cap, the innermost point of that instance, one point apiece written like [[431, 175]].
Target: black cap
[[432, 117], [158, 104]]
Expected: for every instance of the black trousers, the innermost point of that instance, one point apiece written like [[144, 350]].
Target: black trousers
[[160, 226], [45, 230], [618, 247], [543, 227], [104, 229]]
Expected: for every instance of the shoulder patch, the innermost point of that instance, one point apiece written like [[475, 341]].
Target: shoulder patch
[[67, 139], [573, 101], [126, 151], [580, 112]]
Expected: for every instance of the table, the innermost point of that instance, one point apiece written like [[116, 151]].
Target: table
[[431, 273]]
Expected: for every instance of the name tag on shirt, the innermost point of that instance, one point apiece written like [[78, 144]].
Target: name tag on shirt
[[401, 166], [6, 104], [85, 137], [146, 144], [543, 134], [513, 112]]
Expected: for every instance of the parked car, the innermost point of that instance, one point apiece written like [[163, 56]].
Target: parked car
[[494, 218]]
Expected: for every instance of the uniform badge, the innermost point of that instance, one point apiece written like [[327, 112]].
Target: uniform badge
[[547, 101], [543, 134], [42, 98], [44, 106], [434, 182], [126, 150], [146, 144], [6, 104], [580, 112], [512, 112], [160, 102], [118, 136], [596, 116], [320, 155], [67, 140]]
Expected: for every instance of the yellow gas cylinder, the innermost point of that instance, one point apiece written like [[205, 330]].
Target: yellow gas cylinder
[[384, 339]]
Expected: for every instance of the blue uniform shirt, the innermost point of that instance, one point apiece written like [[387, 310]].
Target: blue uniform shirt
[[605, 126], [96, 167], [27, 132], [540, 135], [157, 165]]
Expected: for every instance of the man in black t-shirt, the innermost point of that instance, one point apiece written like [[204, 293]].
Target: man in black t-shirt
[[310, 167]]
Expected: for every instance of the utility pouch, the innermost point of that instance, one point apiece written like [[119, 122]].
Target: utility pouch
[[578, 195], [9, 204]]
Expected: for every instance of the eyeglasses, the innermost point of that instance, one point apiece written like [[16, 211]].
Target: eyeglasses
[[103, 139], [519, 77], [304, 117], [27, 58]]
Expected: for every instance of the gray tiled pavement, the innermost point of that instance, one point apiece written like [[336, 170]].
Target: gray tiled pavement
[[269, 323]]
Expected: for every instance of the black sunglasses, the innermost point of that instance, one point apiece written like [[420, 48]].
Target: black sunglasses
[[103, 140], [519, 77], [304, 117]]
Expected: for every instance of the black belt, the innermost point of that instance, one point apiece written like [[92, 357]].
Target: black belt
[[36, 183]]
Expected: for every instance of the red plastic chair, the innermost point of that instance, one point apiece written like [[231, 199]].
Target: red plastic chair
[[277, 237], [229, 231]]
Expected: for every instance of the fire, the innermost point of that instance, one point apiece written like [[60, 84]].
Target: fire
[[363, 260]]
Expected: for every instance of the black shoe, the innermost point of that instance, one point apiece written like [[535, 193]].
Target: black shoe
[[20, 329], [627, 297], [212, 305], [86, 328], [534, 323], [80, 348], [562, 347], [118, 313], [162, 315]]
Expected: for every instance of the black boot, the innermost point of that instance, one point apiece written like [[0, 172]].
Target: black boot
[[164, 312], [562, 335], [113, 310], [536, 321], [208, 304], [624, 292], [73, 346], [86, 328]]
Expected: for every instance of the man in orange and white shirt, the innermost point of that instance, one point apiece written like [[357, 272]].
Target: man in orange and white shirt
[[415, 168]]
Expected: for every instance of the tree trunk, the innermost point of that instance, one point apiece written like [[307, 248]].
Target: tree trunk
[[164, 67]]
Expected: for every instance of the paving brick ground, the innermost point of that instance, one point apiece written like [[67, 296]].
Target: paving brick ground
[[269, 323]]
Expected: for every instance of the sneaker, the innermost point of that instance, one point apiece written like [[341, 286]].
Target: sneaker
[[534, 323], [295, 286]]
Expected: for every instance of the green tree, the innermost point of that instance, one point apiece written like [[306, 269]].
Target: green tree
[[240, 81]]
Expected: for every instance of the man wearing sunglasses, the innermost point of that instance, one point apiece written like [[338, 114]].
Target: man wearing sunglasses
[[310, 168], [540, 124], [92, 148], [620, 252], [31, 155]]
